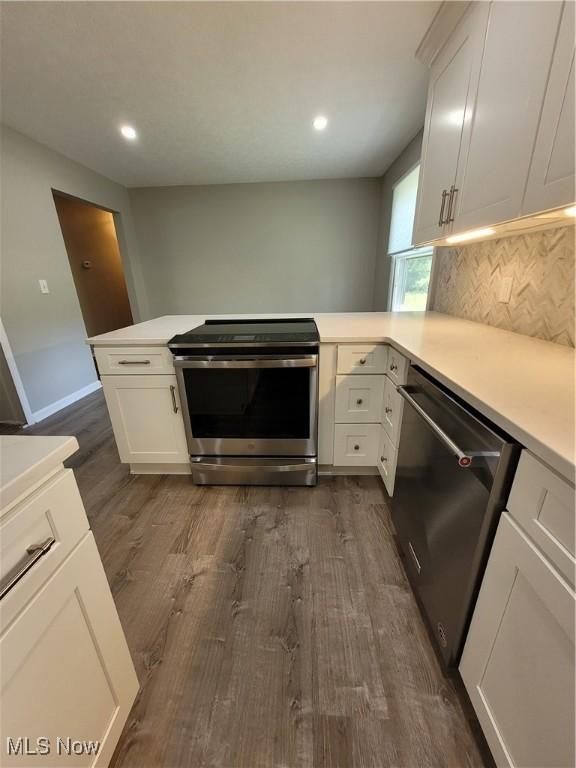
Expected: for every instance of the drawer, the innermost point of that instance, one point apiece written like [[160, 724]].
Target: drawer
[[392, 411], [398, 366], [359, 398], [356, 445], [126, 360], [362, 358], [55, 511], [542, 503], [386, 461]]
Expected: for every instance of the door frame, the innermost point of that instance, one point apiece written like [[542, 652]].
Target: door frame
[[13, 368]]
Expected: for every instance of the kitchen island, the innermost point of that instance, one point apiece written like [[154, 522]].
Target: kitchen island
[[524, 385]]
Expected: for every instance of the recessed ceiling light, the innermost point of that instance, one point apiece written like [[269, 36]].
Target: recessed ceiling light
[[128, 132], [320, 123], [473, 234], [570, 211]]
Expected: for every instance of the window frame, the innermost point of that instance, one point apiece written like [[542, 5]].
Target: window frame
[[409, 253]]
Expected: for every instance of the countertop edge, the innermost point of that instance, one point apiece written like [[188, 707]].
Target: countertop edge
[[27, 479]]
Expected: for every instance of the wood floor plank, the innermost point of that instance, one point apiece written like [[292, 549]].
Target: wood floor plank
[[269, 627]]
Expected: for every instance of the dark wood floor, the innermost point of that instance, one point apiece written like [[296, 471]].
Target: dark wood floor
[[269, 627]]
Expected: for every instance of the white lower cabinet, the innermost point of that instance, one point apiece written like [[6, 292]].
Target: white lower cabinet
[[518, 661], [386, 462], [356, 445], [359, 398], [146, 418], [66, 671], [392, 411]]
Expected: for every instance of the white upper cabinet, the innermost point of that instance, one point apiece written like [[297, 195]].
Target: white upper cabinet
[[497, 141], [551, 178], [452, 81], [499, 133]]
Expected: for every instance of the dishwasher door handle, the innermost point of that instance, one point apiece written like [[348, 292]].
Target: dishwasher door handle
[[464, 459]]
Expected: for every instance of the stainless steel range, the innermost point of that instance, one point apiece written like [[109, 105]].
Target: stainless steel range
[[249, 393]]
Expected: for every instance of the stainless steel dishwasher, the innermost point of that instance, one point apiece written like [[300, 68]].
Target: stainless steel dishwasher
[[453, 476]]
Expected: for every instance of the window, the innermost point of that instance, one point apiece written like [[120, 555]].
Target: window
[[410, 271]]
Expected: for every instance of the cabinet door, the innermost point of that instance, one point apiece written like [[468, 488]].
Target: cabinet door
[[392, 412], [518, 661], [551, 178], [452, 81], [497, 141], [146, 418], [386, 461], [66, 669]]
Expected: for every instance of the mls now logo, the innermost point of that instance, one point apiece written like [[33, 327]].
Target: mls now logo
[[23, 745]]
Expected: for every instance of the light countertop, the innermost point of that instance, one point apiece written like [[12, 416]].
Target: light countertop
[[524, 385], [27, 459]]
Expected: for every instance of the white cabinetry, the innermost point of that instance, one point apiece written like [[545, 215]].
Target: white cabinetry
[[66, 670], [367, 407], [518, 660], [551, 178], [499, 133], [146, 418], [359, 399], [498, 140], [453, 79]]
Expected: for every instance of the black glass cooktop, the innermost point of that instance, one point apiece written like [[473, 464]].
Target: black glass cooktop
[[276, 331]]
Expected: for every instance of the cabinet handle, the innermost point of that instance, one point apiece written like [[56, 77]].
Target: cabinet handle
[[34, 552], [133, 362], [450, 213], [356, 447], [387, 410], [359, 401], [383, 459], [445, 194], [173, 393], [362, 361], [393, 367]]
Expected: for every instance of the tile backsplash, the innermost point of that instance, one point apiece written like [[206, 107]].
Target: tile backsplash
[[468, 280]]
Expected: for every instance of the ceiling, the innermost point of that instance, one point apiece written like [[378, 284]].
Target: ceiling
[[218, 92]]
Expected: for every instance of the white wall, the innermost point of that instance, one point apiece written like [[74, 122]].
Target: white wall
[[285, 247], [46, 332]]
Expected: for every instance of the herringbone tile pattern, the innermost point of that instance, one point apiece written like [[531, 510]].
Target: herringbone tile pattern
[[541, 266]]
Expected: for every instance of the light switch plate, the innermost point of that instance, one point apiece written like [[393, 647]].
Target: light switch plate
[[44, 286], [505, 290]]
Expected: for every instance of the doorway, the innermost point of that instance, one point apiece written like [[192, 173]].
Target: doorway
[[12, 415], [89, 234]]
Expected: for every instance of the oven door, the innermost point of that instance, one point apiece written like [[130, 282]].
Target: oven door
[[249, 405]]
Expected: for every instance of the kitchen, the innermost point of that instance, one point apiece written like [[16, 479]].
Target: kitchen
[[315, 506]]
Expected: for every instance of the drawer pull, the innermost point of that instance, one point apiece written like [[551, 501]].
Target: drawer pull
[[133, 362], [383, 459], [359, 401], [388, 409], [393, 367], [34, 553], [173, 393], [362, 361], [356, 447]]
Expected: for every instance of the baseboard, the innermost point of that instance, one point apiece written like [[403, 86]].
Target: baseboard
[[160, 469], [330, 469], [48, 410]]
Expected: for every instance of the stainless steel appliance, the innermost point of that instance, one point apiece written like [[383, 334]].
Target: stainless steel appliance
[[453, 476], [249, 392]]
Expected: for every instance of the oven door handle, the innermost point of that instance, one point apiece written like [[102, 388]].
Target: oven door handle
[[464, 459], [305, 361]]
